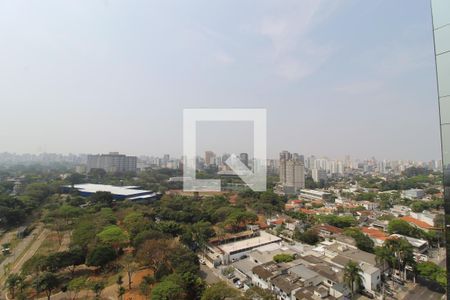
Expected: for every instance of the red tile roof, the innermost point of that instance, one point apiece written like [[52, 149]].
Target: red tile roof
[[277, 221], [416, 222], [308, 211], [374, 233], [329, 228]]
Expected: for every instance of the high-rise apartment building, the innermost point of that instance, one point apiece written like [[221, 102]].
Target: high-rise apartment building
[[319, 175], [244, 158], [292, 172], [112, 162], [210, 158]]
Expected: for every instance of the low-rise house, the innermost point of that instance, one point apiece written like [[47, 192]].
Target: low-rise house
[[400, 210], [293, 204], [265, 254], [230, 248], [285, 285], [369, 205], [413, 194], [314, 293], [311, 195], [419, 246], [376, 235], [371, 276], [326, 231], [417, 223], [382, 225], [424, 216], [340, 255], [340, 291]]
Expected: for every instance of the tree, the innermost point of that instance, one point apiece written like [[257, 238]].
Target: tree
[[130, 267], [219, 291], [68, 213], [260, 294], [167, 290], [120, 292], [400, 227], [100, 256], [84, 233], [34, 265], [47, 282], [383, 256], [352, 276], [418, 206], [13, 282], [310, 236], [76, 285], [75, 178], [431, 271], [113, 235], [135, 222], [338, 221], [363, 242], [402, 253], [282, 257], [74, 257], [182, 260], [102, 198], [97, 288], [12, 211], [154, 253]]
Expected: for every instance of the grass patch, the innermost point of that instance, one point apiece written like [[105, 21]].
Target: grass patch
[[50, 245]]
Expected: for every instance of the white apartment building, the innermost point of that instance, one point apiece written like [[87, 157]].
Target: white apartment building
[[292, 172], [318, 175], [112, 162]]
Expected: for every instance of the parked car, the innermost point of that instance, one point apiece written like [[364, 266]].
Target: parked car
[[239, 284], [367, 294], [398, 280]]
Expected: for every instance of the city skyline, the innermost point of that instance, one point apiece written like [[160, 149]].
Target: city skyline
[[220, 154], [336, 77]]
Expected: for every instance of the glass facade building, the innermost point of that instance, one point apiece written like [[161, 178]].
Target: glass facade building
[[441, 31]]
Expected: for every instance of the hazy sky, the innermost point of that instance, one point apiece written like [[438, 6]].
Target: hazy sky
[[336, 77]]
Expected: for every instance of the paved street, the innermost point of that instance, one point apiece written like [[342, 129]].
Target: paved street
[[422, 293], [17, 251], [208, 275]]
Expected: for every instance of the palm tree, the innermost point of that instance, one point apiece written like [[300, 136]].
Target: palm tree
[[383, 256], [352, 276], [13, 282], [402, 252]]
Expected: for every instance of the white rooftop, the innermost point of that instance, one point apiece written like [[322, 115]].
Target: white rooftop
[[115, 190], [413, 241], [314, 192], [251, 243]]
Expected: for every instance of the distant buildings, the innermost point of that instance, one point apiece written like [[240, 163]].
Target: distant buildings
[[313, 195], [413, 194], [112, 162], [244, 158], [319, 175], [210, 158], [292, 172]]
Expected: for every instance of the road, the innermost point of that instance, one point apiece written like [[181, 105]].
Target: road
[[31, 251], [208, 275], [17, 251], [422, 293], [24, 250]]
